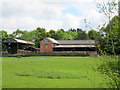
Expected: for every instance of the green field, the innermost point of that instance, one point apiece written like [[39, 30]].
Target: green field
[[51, 72], [0, 73]]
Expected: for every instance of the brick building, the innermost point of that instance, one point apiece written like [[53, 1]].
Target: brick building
[[50, 45]]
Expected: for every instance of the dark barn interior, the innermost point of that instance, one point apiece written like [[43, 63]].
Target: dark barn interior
[[75, 49], [12, 45]]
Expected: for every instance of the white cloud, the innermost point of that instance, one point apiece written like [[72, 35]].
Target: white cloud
[[95, 18], [30, 14], [71, 21], [29, 23]]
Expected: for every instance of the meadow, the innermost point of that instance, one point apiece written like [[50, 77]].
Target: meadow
[[0, 73], [52, 72]]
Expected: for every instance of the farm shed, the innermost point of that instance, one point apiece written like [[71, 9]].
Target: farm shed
[[50, 45], [13, 45]]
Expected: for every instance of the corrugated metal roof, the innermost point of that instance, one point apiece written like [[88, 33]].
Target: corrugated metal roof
[[76, 42], [72, 42], [53, 40], [20, 41], [26, 42], [12, 40], [59, 46], [30, 42]]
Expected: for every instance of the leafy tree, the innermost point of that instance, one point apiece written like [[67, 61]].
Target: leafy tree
[[113, 34], [3, 34], [81, 35], [108, 9], [42, 33], [70, 35], [60, 34], [110, 67], [17, 34], [53, 34], [94, 35], [73, 30]]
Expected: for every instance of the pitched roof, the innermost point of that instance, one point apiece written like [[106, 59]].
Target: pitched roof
[[12, 40], [71, 42], [69, 46], [29, 42], [53, 40], [76, 42], [20, 41]]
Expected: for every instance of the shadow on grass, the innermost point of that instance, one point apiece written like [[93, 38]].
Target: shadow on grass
[[51, 75]]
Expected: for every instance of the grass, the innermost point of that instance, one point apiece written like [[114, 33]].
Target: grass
[[51, 72], [0, 73]]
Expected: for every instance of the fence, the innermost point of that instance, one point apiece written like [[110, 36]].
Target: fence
[[56, 53]]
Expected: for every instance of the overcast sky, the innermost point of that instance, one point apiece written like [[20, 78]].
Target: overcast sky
[[49, 14]]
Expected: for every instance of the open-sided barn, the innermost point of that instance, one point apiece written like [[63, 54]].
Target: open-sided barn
[[14, 45]]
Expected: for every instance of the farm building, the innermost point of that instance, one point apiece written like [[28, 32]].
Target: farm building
[[50, 45], [13, 46]]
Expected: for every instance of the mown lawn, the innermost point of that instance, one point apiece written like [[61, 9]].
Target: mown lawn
[[51, 72], [0, 73]]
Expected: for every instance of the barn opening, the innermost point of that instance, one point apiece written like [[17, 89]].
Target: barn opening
[[14, 45]]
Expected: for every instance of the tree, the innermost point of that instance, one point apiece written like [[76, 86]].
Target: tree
[[70, 35], [42, 33], [17, 34], [3, 35], [81, 35], [114, 35], [94, 35], [73, 30], [108, 9], [60, 34], [110, 67], [53, 34]]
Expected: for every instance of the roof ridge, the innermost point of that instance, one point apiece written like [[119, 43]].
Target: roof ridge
[[52, 39], [75, 40]]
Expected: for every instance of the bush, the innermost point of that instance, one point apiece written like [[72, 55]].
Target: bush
[[45, 54], [111, 68]]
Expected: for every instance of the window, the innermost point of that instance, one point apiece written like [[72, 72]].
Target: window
[[46, 46], [46, 41]]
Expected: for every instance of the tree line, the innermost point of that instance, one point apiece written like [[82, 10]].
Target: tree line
[[101, 36]]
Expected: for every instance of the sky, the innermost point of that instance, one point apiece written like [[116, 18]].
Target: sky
[[49, 14]]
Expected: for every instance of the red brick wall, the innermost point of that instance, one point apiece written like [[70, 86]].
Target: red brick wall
[[44, 48]]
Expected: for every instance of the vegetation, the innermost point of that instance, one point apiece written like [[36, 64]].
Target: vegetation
[[110, 66], [0, 73], [101, 37], [108, 43], [52, 72]]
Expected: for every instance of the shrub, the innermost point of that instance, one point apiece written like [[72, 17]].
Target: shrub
[[111, 68]]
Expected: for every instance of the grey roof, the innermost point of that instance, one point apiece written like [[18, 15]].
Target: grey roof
[[76, 42], [53, 40], [72, 42], [71, 46], [13, 40]]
